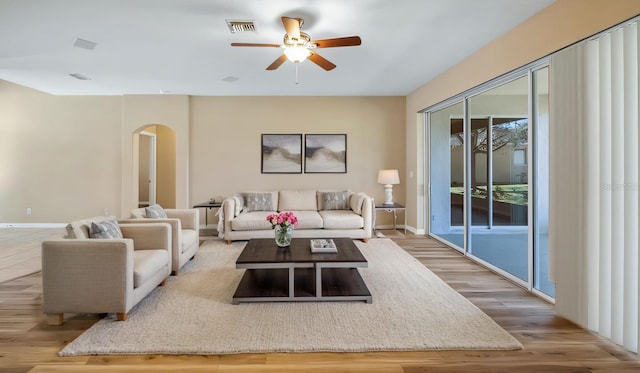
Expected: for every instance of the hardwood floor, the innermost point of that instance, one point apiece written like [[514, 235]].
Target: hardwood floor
[[20, 250], [551, 343]]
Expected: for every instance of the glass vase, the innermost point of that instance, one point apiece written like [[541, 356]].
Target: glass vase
[[283, 235]]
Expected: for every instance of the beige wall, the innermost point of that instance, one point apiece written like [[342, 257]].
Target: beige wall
[[60, 156], [140, 111], [555, 27], [72, 157], [166, 167], [226, 139]]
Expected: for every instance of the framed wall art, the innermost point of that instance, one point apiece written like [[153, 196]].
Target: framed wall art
[[281, 153], [325, 153]]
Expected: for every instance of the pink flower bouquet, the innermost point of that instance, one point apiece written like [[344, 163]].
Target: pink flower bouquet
[[283, 219]]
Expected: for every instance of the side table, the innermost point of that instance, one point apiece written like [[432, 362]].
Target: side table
[[207, 206], [393, 208]]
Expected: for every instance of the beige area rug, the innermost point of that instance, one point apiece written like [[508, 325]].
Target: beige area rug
[[412, 310]]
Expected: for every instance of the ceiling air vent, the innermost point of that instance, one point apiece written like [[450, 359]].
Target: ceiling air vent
[[241, 26], [84, 44]]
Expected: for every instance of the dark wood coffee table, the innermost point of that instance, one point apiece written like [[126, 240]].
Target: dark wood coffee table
[[294, 274]]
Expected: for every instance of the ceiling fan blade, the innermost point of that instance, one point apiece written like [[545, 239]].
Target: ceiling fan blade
[[348, 41], [321, 61], [292, 26], [279, 61], [254, 45]]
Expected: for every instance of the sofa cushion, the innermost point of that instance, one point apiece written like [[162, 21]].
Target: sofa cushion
[[80, 228], [138, 213], [249, 221], [297, 200], [309, 220], [262, 201], [239, 204], [334, 200], [356, 201], [155, 212], [105, 229], [146, 263], [341, 219], [189, 237]]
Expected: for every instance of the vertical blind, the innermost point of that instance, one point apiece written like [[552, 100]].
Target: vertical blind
[[594, 216]]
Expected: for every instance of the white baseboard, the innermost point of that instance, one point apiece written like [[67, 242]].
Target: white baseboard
[[32, 225], [415, 231], [400, 227], [387, 226]]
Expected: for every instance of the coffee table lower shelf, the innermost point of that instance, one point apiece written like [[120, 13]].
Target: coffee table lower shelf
[[275, 285]]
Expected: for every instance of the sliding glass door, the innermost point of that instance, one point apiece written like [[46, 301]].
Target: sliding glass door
[[488, 183], [499, 177], [447, 174]]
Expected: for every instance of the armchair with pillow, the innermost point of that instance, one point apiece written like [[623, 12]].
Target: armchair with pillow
[[185, 230], [103, 267]]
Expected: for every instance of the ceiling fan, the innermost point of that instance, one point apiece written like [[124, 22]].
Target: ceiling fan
[[298, 45]]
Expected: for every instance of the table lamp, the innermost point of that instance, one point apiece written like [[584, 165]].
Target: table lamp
[[388, 178]]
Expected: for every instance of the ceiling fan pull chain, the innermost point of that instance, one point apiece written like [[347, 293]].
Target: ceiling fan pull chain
[[297, 63]]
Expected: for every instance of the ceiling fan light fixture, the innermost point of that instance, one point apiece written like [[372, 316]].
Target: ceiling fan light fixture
[[297, 46], [296, 53]]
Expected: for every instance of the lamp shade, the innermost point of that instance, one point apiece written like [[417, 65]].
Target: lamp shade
[[388, 177]]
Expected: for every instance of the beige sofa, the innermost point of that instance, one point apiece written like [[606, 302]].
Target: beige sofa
[[320, 214], [185, 231], [89, 275]]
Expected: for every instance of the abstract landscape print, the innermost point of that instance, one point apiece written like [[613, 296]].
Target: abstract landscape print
[[325, 153], [282, 153]]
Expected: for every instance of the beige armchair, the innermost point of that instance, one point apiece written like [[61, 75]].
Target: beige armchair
[[86, 275], [185, 232]]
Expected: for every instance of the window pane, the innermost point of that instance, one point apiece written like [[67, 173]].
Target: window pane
[[541, 200], [499, 185], [510, 177], [447, 174]]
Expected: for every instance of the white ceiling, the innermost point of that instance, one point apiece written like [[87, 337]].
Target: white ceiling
[[183, 46]]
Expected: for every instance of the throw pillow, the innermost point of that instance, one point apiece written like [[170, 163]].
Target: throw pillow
[[258, 202], [356, 202], [239, 204], [105, 229], [335, 200], [155, 212]]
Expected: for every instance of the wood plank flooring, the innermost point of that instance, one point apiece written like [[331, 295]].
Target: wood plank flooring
[[20, 250], [551, 343]]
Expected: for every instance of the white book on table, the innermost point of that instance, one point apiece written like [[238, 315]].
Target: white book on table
[[323, 246]]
